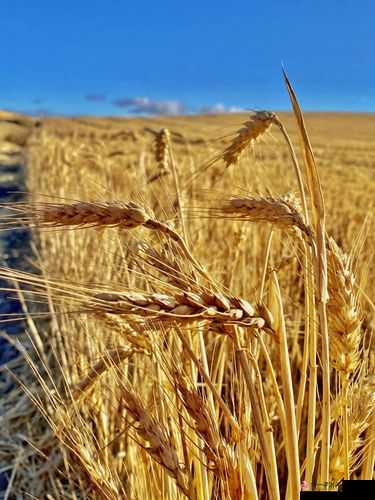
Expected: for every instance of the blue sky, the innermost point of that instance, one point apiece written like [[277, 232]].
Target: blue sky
[[114, 57]]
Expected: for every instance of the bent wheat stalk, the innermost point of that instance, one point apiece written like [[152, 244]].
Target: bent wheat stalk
[[221, 312]]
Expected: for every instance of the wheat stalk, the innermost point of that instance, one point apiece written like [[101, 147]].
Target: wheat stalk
[[108, 360], [320, 256]]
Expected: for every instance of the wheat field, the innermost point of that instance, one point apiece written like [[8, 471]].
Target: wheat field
[[200, 308]]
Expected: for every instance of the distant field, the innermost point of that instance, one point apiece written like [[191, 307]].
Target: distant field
[[341, 126], [187, 325]]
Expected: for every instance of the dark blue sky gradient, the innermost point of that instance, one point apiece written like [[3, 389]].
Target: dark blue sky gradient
[[53, 54]]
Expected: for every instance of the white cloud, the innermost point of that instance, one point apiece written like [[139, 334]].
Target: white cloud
[[145, 105], [220, 108]]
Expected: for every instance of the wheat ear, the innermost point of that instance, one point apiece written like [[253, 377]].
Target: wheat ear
[[255, 127], [162, 154], [345, 456], [79, 215], [344, 314], [257, 124], [280, 211], [345, 321], [220, 311]]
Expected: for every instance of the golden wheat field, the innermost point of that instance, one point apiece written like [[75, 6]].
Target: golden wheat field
[[200, 310]]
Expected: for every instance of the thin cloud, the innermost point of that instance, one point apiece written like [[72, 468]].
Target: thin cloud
[[95, 97], [219, 108], [145, 105]]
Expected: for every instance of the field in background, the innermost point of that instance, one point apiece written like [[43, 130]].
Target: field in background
[[150, 425], [343, 143]]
